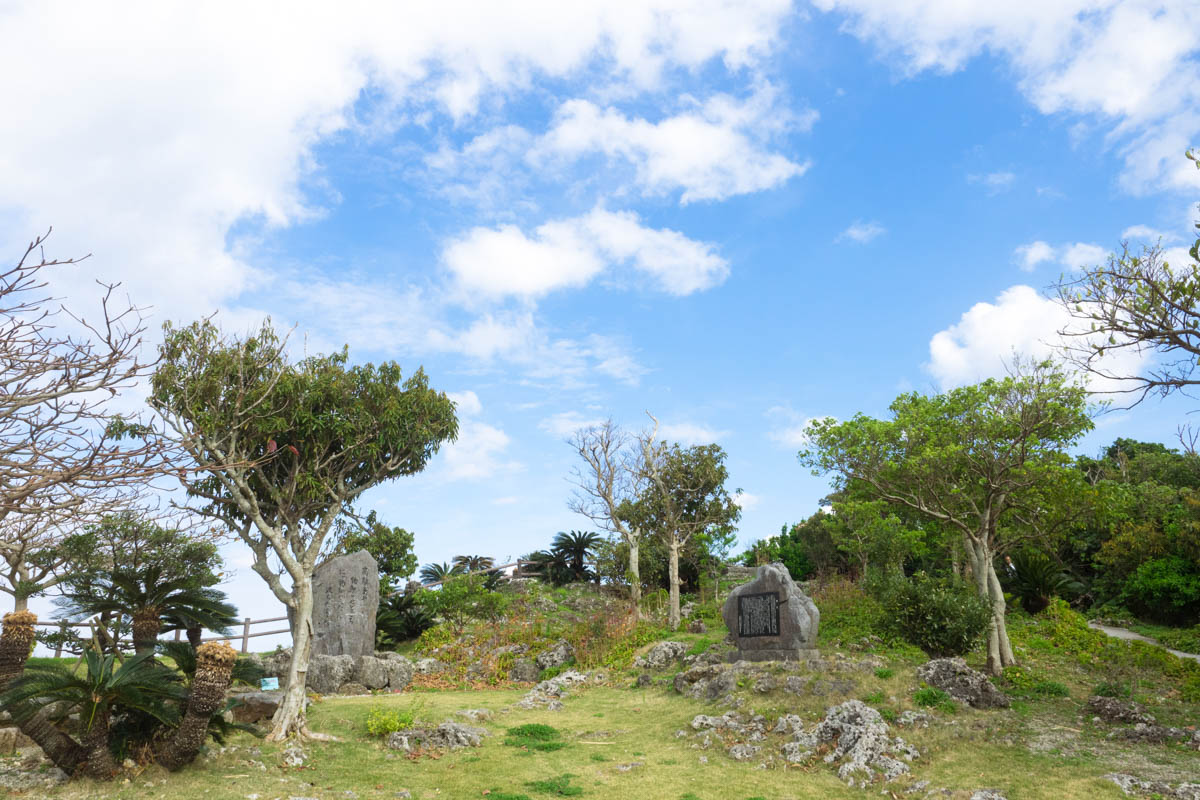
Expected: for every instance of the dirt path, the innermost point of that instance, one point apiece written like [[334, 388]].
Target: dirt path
[[1125, 633]]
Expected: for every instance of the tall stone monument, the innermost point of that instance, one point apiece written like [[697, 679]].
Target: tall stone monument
[[345, 599], [771, 618]]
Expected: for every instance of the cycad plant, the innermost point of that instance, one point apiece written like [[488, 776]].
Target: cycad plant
[[575, 548], [150, 596], [473, 563], [401, 617], [432, 573], [139, 685], [1038, 580]]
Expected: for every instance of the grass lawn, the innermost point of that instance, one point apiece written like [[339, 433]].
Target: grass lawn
[[1046, 754]]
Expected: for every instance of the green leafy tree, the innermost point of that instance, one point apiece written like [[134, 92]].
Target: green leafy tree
[[280, 449], [392, 548], [685, 497], [980, 459], [873, 536], [576, 547], [463, 598]]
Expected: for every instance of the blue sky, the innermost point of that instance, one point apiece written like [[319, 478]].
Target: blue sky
[[738, 216]]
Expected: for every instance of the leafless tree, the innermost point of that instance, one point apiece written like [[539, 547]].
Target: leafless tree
[[611, 478], [62, 458]]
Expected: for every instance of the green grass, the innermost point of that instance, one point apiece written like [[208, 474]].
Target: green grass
[[535, 736]]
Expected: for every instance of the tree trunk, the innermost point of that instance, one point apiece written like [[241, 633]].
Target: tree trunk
[[146, 625], [195, 637], [999, 651], [673, 614], [635, 575], [16, 643], [99, 763], [214, 671], [20, 602], [289, 719], [60, 748]]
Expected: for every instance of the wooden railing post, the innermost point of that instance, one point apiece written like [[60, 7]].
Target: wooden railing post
[[246, 636], [62, 630]]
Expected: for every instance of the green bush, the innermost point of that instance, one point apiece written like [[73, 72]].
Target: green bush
[[934, 698], [465, 598], [943, 617], [883, 673], [384, 721], [1164, 589]]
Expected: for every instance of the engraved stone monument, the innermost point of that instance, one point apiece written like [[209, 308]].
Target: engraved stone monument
[[771, 618], [345, 599]]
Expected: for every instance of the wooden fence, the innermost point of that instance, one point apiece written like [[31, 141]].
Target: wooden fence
[[245, 636], [521, 571]]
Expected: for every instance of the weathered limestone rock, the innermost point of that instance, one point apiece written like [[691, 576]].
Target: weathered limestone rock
[[255, 706], [863, 745], [371, 672], [771, 618], [1112, 709], [561, 653], [353, 688], [661, 655], [447, 736], [524, 671], [399, 672], [327, 673], [1136, 786], [345, 599], [953, 676]]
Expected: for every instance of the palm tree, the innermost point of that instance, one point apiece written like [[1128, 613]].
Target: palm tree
[[432, 573], [213, 674], [575, 548], [473, 563], [551, 566], [139, 685], [149, 597]]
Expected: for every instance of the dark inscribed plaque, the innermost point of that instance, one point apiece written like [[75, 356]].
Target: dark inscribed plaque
[[758, 614]]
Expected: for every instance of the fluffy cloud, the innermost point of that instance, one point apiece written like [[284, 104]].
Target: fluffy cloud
[[715, 150], [1132, 66], [746, 500], [689, 433], [789, 427], [1069, 256], [566, 423], [1032, 254], [995, 182], [988, 336], [504, 261], [862, 232], [150, 149]]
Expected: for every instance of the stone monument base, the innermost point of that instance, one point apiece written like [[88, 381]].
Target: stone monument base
[[802, 654]]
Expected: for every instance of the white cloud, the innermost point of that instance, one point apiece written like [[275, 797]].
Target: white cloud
[[714, 150], [993, 181], [1080, 254], [566, 423], [689, 433], [466, 403], [149, 148], [862, 232], [746, 500], [1132, 66], [789, 427], [988, 335], [1070, 256], [1034, 253], [1147, 234], [504, 261]]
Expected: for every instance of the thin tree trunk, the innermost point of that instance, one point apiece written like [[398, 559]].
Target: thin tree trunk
[[289, 719], [214, 669], [673, 614], [20, 602], [1007, 658], [60, 748], [987, 585], [635, 575]]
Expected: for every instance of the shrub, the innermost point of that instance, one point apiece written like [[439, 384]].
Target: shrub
[[849, 614], [934, 698], [385, 721], [943, 617], [1185, 639], [402, 617], [1111, 689], [883, 673], [1166, 589], [465, 598]]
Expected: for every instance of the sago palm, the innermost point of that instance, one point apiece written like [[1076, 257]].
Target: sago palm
[[575, 547]]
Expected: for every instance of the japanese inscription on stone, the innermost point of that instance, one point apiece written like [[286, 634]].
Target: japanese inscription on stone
[[346, 595], [758, 614]]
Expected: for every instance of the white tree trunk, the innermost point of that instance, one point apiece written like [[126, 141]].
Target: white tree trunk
[[290, 719], [673, 614], [999, 650], [635, 576]]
